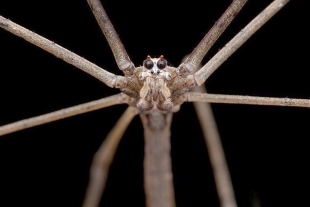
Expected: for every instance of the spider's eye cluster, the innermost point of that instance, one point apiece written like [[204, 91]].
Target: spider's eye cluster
[[161, 64], [148, 64]]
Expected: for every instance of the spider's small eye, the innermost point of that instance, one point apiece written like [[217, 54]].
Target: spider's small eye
[[148, 64], [161, 64]]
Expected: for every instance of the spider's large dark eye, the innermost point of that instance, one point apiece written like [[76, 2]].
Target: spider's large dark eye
[[148, 64], [161, 64]]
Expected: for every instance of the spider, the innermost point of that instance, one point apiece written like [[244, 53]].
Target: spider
[[50, 101]]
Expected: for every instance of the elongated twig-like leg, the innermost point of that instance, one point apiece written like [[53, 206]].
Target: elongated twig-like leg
[[201, 76], [158, 183], [195, 58], [119, 52], [106, 77], [104, 157], [251, 100], [64, 113], [220, 169]]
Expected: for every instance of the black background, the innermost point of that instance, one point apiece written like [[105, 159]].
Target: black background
[[266, 147]]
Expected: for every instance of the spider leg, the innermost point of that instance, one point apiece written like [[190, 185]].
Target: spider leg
[[104, 76], [212, 138], [201, 76], [251, 100], [119, 52], [218, 161], [195, 58], [103, 159], [64, 113]]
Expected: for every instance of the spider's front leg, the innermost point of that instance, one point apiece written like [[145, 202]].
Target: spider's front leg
[[201, 76], [204, 73], [104, 76], [122, 59], [194, 59]]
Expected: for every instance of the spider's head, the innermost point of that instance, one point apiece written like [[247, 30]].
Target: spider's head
[[155, 65], [155, 93]]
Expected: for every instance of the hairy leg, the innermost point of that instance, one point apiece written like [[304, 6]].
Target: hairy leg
[[252, 100], [194, 59], [104, 76], [201, 76], [212, 138], [119, 52], [63, 113], [103, 158]]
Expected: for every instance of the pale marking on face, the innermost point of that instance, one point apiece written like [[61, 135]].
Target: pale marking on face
[[154, 72]]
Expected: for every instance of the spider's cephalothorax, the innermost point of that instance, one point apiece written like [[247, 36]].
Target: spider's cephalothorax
[[155, 93], [154, 86]]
